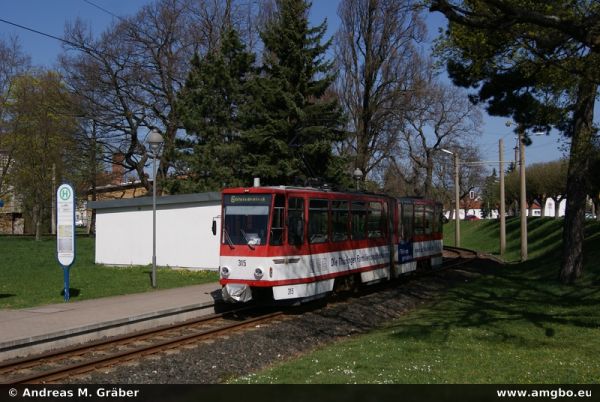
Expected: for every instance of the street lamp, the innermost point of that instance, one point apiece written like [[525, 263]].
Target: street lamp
[[358, 175], [155, 140], [456, 197]]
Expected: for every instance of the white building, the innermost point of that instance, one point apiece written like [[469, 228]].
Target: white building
[[549, 207], [183, 231], [474, 209]]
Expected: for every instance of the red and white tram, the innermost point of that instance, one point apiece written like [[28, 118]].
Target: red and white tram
[[297, 243]]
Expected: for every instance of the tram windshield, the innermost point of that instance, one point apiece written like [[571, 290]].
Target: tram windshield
[[246, 219]]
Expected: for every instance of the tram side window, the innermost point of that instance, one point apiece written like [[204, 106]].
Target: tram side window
[[438, 218], [375, 228], [295, 221], [428, 224], [419, 219], [400, 227], [359, 220], [277, 221], [318, 221], [339, 220], [408, 220]]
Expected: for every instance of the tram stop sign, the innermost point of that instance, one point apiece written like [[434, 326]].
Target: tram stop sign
[[65, 232], [65, 225]]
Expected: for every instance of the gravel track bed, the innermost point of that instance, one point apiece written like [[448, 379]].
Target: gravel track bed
[[250, 350]]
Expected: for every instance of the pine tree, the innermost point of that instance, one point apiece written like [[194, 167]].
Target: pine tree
[[291, 121], [536, 62], [210, 104]]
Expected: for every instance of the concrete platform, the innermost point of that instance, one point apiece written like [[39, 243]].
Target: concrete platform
[[41, 329]]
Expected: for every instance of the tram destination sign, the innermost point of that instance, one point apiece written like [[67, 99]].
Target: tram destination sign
[[248, 199], [65, 225]]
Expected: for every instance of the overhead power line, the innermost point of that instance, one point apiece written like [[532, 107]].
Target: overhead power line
[[79, 46], [68, 42], [104, 9], [58, 38]]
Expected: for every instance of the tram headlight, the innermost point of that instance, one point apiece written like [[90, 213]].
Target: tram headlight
[[224, 272], [258, 273]]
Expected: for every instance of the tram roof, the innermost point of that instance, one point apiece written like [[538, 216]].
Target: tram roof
[[312, 190], [286, 189]]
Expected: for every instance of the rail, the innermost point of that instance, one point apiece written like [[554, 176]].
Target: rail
[[61, 364], [55, 366]]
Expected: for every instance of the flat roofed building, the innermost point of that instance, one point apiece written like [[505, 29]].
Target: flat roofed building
[[184, 237]]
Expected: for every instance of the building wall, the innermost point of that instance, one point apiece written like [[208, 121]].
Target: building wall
[[12, 223], [536, 211], [549, 207], [183, 235]]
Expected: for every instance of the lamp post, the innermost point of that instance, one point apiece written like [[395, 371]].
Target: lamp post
[[155, 140], [456, 197], [358, 175]]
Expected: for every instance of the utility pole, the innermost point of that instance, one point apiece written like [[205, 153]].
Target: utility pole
[[456, 201], [456, 197], [53, 218], [521, 132], [502, 202]]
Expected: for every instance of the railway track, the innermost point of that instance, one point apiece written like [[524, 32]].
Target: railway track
[[462, 254], [61, 364], [56, 366]]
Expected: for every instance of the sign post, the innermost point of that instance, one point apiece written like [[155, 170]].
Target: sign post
[[65, 233]]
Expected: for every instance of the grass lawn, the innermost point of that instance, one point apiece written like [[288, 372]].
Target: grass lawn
[[31, 276], [514, 325]]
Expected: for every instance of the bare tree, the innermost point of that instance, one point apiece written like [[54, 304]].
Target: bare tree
[[103, 73], [129, 77], [376, 53], [439, 116]]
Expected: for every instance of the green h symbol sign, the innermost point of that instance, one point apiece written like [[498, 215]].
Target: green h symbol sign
[[65, 193]]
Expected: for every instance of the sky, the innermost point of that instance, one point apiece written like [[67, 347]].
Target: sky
[[50, 16]]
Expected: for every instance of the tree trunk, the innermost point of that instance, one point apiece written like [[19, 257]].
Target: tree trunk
[[427, 185], [581, 145], [37, 213], [557, 202], [91, 224], [543, 206]]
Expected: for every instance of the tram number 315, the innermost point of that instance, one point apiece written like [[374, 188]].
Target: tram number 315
[[241, 263]]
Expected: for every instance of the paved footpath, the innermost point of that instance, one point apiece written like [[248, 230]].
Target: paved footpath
[[40, 329]]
